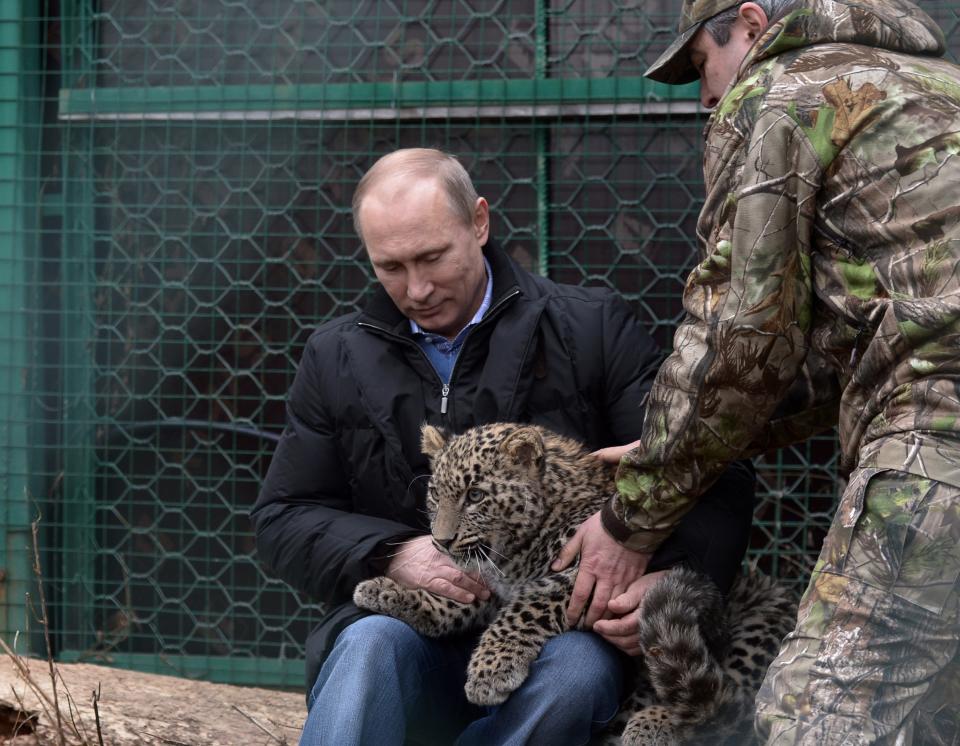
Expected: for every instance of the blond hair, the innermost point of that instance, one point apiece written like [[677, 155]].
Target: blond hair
[[421, 163]]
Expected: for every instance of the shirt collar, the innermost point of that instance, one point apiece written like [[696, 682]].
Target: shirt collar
[[484, 306]]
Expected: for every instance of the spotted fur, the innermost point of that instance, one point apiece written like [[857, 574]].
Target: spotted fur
[[503, 500]]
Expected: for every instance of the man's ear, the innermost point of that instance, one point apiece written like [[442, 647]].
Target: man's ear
[[754, 19], [432, 440], [481, 220]]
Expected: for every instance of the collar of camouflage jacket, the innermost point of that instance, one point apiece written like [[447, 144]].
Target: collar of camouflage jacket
[[895, 25]]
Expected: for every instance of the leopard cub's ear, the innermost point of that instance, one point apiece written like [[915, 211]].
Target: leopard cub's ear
[[525, 448], [432, 439]]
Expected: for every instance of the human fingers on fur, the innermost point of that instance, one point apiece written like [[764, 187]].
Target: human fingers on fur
[[610, 567], [622, 632], [627, 601], [447, 589], [590, 536], [419, 564], [632, 597], [613, 454], [626, 646], [628, 641], [470, 583], [618, 629], [441, 575], [582, 591], [598, 604]]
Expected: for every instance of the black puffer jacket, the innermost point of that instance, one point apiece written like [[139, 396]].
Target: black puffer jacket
[[348, 480]]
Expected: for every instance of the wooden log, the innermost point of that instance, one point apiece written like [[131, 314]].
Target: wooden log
[[139, 708]]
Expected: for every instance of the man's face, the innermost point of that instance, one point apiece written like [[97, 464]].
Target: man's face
[[718, 65], [427, 259]]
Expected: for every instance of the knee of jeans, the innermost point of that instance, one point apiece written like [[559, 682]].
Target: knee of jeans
[[371, 648], [379, 635], [585, 662]]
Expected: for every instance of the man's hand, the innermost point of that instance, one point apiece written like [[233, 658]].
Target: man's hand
[[613, 454], [607, 569], [624, 630], [419, 564]]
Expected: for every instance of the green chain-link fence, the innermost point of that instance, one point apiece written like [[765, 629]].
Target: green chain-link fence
[[175, 180]]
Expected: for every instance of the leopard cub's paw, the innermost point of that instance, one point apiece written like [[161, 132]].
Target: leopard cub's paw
[[490, 683], [653, 726], [377, 594], [483, 688]]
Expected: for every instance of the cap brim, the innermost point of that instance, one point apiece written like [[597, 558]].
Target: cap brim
[[674, 66]]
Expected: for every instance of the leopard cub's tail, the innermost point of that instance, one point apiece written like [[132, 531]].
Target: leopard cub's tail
[[705, 658], [683, 635]]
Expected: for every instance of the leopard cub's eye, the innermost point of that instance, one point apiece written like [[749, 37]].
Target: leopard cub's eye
[[475, 495]]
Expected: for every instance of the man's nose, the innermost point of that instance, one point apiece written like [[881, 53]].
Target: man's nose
[[419, 288], [708, 99]]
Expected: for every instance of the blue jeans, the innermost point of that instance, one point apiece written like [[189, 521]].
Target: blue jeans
[[383, 683]]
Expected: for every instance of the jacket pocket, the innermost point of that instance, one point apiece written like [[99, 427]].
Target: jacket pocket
[[906, 538]]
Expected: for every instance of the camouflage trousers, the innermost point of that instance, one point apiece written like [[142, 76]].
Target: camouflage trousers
[[874, 656]]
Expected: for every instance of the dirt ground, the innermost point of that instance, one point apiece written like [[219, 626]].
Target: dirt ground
[[140, 708]]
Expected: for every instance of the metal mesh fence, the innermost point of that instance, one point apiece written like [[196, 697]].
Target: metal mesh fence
[[176, 197]]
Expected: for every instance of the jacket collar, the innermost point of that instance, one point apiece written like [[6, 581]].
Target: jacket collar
[[893, 25], [380, 310]]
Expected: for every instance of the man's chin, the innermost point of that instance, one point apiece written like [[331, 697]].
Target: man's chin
[[433, 323]]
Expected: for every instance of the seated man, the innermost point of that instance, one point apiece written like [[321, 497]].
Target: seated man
[[457, 335]]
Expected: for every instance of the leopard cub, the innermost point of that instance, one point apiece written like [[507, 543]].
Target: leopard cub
[[503, 499]]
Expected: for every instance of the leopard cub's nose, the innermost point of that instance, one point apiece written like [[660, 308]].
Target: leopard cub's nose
[[443, 542]]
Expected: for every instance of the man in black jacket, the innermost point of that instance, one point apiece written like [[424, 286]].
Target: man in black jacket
[[457, 335]]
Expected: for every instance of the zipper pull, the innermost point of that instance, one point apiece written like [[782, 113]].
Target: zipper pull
[[444, 393]]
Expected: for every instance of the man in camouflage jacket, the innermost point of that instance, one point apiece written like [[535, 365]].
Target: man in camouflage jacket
[[830, 239]]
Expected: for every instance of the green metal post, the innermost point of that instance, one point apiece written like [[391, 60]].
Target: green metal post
[[18, 199], [79, 410], [75, 569]]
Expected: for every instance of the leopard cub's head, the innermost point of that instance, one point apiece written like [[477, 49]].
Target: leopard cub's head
[[486, 496]]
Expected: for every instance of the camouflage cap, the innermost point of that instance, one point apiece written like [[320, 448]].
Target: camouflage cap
[[673, 66]]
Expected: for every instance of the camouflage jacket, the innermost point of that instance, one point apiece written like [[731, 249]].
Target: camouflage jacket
[[830, 238]]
